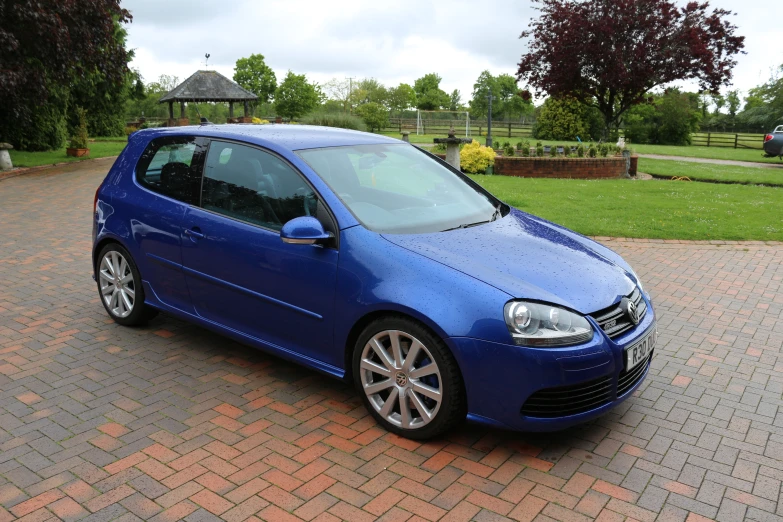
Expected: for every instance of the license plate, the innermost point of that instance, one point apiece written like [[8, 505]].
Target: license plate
[[637, 353]]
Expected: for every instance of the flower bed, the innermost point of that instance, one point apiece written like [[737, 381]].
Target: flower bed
[[581, 168]]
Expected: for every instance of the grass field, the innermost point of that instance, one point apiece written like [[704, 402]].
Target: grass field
[[664, 150], [98, 149], [648, 209], [708, 172]]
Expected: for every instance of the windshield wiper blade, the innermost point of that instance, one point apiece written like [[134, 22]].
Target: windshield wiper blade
[[466, 225]]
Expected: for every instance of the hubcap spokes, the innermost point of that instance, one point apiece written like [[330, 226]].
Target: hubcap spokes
[[118, 289], [401, 379]]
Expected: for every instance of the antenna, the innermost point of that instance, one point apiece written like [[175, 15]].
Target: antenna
[[201, 119], [206, 61]]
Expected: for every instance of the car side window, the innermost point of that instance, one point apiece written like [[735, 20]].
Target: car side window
[[167, 167], [251, 185]]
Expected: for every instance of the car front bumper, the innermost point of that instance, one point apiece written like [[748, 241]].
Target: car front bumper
[[585, 381]]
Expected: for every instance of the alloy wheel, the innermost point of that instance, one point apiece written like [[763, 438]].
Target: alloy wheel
[[401, 379], [118, 288]]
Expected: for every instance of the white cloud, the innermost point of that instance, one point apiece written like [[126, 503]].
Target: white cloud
[[392, 41]]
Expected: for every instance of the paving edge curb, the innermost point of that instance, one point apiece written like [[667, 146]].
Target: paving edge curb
[[26, 170]]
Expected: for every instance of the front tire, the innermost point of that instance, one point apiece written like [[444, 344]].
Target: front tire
[[408, 379], [119, 286]]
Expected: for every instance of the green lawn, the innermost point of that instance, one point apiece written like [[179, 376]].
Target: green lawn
[[98, 149], [664, 150], [708, 172], [648, 209]]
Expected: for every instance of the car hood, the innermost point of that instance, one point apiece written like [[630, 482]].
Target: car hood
[[528, 257]]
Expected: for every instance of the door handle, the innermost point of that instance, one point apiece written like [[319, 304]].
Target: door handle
[[194, 233]]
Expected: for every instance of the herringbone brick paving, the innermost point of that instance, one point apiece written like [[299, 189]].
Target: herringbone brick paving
[[169, 421]]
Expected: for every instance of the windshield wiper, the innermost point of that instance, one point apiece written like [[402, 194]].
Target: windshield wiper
[[466, 225]]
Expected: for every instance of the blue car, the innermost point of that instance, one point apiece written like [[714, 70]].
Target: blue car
[[370, 260]]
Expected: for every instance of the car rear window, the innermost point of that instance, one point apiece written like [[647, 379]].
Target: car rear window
[[166, 167]]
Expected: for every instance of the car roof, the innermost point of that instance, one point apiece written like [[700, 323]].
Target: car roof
[[290, 137]]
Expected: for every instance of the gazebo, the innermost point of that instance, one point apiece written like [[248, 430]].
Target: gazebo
[[207, 86]]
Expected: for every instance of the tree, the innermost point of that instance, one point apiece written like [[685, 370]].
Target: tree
[[485, 85], [455, 100], [764, 104], [369, 90], [375, 115], [401, 98], [339, 90], [610, 53], [104, 100], [429, 95], [46, 46], [295, 96], [256, 76], [733, 102], [665, 119]]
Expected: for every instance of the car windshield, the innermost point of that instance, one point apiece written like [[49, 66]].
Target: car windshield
[[399, 189]]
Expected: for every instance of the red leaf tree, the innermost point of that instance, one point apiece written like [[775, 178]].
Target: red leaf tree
[[47, 45], [611, 53]]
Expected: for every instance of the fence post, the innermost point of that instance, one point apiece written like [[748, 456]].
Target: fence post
[[479, 131], [709, 136], [509, 129], [736, 140]]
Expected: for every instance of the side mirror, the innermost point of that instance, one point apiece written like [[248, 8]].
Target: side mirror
[[305, 230]]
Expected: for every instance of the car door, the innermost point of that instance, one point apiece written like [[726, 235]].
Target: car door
[[240, 273], [168, 175]]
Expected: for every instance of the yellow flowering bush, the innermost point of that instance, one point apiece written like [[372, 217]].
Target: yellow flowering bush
[[475, 158], [259, 121]]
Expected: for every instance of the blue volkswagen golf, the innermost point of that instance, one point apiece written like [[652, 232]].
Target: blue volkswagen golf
[[370, 260]]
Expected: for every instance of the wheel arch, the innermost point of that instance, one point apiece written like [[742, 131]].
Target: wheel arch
[[360, 324]]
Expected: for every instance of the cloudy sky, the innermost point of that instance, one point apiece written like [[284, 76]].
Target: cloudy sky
[[395, 41]]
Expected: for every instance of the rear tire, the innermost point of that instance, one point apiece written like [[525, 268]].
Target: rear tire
[[408, 379], [119, 287]]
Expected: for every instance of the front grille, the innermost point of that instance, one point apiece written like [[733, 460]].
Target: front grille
[[613, 320], [628, 380], [569, 400]]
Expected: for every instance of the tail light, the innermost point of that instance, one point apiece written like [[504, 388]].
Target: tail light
[[768, 137]]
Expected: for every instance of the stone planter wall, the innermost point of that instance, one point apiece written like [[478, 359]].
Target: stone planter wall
[[581, 168]]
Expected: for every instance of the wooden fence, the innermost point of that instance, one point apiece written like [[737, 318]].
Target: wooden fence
[[730, 140], [500, 129]]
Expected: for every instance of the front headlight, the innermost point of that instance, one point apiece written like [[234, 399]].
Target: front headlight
[[545, 326]]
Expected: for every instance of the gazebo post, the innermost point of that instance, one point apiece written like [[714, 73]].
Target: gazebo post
[[183, 118], [231, 110], [247, 110], [171, 122]]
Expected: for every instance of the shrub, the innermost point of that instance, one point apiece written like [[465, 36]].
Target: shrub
[[567, 151], [524, 147], [539, 150], [580, 151], [334, 119], [592, 151], [553, 151], [519, 145], [603, 150], [506, 144], [508, 150], [79, 139], [475, 158], [374, 115], [496, 145], [259, 121]]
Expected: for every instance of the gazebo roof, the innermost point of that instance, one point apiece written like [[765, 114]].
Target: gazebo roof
[[205, 86]]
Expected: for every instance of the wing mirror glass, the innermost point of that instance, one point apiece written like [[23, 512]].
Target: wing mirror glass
[[305, 230]]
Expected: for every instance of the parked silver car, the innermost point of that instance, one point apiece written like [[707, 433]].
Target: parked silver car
[[773, 142]]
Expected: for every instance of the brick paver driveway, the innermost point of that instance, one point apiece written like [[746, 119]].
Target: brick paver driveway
[[170, 421]]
